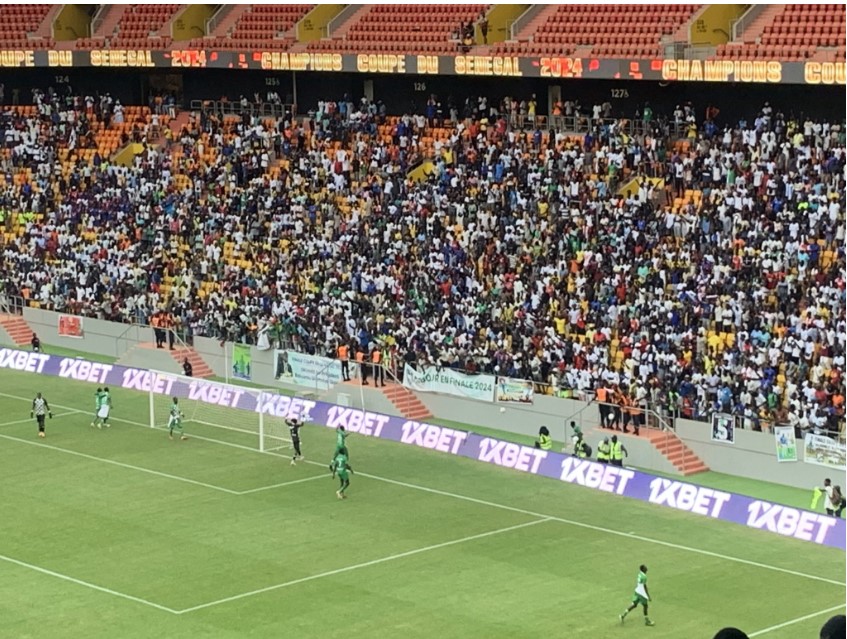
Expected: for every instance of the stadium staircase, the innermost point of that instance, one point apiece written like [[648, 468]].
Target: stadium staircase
[[406, 402], [199, 366], [674, 449], [670, 447], [20, 333], [542, 15], [224, 23]]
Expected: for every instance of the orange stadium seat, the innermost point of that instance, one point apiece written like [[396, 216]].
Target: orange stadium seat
[[260, 26], [606, 30], [797, 32], [17, 21], [411, 28], [139, 22]]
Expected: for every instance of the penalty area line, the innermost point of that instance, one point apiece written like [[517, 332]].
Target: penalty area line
[[280, 485], [32, 419], [112, 462], [491, 504], [86, 584], [373, 562]]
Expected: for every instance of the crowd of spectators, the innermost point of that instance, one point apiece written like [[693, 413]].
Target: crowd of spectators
[[720, 289]]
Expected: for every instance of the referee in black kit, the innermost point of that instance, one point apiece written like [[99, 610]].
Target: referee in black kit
[[40, 408], [294, 425]]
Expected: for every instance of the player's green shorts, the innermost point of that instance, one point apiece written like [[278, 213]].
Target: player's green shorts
[[638, 600], [343, 475]]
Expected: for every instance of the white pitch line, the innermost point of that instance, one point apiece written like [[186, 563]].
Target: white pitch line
[[491, 504], [32, 419], [365, 564], [609, 531], [74, 411], [759, 633], [280, 485], [121, 464], [80, 582]]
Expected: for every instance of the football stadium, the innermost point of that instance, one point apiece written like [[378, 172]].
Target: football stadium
[[473, 321]]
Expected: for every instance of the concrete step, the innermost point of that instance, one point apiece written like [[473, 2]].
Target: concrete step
[[199, 366], [693, 470], [20, 333]]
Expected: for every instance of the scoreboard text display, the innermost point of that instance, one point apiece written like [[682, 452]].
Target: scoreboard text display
[[554, 67]]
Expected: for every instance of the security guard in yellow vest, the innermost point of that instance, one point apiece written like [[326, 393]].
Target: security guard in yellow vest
[[604, 451], [581, 448], [618, 452], [545, 442]]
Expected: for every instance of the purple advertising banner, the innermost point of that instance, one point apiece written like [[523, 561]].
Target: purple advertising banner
[[707, 502]]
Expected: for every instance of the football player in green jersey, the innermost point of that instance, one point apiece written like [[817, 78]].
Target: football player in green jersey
[[175, 421], [340, 442], [100, 408], [641, 596], [341, 466]]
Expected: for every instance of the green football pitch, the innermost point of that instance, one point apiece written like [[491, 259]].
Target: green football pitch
[[123, 533]]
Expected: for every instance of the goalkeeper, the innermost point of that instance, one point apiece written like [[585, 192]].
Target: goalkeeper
[[40, 408], [175, 421], [341, 466]]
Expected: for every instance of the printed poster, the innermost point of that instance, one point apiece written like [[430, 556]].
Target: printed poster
[[242, 361], [518, 391], [70, 326], [434, 379], [723, 428], [321, 373], [786, 444], [824, 451]]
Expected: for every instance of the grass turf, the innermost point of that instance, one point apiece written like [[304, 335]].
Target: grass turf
[[777, 493], [143, 536]]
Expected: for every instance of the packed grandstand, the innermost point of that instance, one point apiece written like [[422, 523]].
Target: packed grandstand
[[692, 261]]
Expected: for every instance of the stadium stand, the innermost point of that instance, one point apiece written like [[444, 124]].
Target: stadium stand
[[616, 30], [18, 20], [408, 28], [137, 28], [722, 291], [792, 32], [260, 26]]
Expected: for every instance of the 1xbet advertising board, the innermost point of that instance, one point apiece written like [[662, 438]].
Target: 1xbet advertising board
[[707, 502]]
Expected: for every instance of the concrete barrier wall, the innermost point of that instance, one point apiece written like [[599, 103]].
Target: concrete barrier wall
[[753, 455], [111, 339]]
